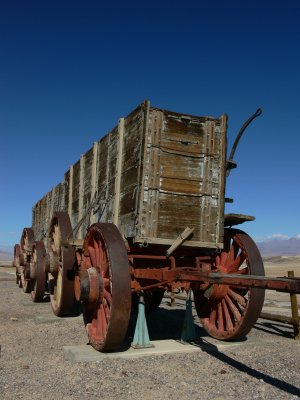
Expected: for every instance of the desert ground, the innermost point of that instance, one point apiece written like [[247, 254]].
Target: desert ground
[[266, 365]]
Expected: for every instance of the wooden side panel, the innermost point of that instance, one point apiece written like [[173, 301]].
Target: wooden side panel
[[67, 191], [43, 211], [154, 174], [111, 177], [75, 194], [184, 178], [102, 179], [107, 156], [87, 190], [133, 146]]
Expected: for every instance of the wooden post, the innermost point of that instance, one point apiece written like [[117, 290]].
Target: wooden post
[[70, 205], [118, 172], [294, 307], [81, 192], [181, 238], [94, 179]]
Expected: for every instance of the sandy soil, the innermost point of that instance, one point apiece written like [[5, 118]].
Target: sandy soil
[[32, 364], [279, 266]]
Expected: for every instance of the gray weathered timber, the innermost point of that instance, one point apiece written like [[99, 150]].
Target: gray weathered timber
[[153, 175]]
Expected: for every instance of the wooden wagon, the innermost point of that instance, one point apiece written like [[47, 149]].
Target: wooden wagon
[[142, 212]]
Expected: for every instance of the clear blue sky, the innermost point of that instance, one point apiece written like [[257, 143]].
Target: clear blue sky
[[70, 69]]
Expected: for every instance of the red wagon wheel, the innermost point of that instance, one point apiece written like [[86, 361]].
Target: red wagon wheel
[[229, 312], [26, 242], [17, 264], [37, 272], [61, 266], [103, 285]]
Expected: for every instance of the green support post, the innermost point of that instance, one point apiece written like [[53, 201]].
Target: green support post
[[141, 336], [188, 333]]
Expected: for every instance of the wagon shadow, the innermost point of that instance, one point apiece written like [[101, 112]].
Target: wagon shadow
[[260, 376], [166, 323], [275, 328]]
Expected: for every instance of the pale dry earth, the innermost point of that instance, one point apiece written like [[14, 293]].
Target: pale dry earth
[[266, 365]]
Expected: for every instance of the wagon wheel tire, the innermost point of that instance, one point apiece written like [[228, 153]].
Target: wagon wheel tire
[[25, 282], [61, 274], [152, 300], [26, 242], [16, 264], [37, 272], [229, 312], [106, 320]]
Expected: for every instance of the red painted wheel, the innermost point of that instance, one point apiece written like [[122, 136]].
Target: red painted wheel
[[26, 243], [17, 264], [37, 272], [103, 285], [229, 312], [61, 266]]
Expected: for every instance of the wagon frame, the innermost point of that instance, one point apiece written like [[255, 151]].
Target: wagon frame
[[140, 213]]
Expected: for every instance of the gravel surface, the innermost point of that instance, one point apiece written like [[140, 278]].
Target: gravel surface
[[32, 364]]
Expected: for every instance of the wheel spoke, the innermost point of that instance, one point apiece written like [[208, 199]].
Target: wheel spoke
[[220, 318], [229, 258], [107, 296], [212, 318], [98, 323], [104, 262], [228, 321], [107, 311], [238, 262], [92, 256], [237, 297], [243, 271], [233, 308], [97, 253]]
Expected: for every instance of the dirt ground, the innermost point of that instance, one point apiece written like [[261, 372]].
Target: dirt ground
[[266, 365]]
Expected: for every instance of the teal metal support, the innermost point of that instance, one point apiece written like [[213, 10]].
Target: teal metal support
[[188, 333], [141, 336]]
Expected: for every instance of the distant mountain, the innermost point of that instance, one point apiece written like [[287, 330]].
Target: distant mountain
[[6, 256], [279, 247], [6, 253], [7, 249]]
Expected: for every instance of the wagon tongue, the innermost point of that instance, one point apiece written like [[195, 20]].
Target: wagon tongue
[[280, 284]]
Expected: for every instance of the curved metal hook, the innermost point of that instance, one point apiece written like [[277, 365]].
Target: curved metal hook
[[257, 113]]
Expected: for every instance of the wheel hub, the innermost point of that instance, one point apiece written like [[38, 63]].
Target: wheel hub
[[216, 292], [53, 262], [88, 286], [32, 270]]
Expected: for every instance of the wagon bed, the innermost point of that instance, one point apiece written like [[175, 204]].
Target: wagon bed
[[153, 175]]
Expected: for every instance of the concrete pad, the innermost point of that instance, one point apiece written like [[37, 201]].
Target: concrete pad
[[87, 353]]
